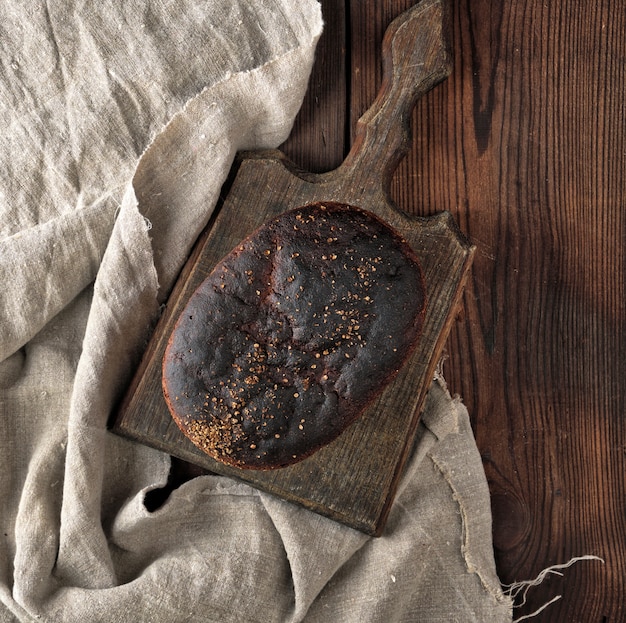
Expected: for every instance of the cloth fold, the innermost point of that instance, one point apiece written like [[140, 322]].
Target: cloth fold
[[122, 123]]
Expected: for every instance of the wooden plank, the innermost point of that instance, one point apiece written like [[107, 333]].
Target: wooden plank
[[524, 144], [318, 141], [354, 478]]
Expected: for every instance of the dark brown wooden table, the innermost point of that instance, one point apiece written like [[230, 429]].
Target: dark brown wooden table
[[525, 144]]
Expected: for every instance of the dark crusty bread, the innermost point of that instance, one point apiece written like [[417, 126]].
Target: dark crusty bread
[[292, 335]]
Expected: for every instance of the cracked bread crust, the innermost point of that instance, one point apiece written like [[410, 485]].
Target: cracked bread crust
[[292, 336]]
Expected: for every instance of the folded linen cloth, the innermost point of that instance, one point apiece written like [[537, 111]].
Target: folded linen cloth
[[120, 125]]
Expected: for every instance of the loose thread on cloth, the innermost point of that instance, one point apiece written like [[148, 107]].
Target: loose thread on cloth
[[515, 589]]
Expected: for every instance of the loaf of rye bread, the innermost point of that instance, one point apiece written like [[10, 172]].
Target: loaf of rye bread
[[293, 335]]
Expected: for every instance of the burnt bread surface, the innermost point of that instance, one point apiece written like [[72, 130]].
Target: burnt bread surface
[[293, 335]]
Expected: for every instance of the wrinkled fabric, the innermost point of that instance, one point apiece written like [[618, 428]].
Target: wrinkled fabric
[[120, 126]]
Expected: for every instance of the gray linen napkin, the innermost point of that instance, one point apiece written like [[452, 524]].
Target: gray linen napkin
[[120, 124]]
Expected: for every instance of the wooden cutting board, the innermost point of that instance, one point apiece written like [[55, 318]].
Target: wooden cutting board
[[353, 479]]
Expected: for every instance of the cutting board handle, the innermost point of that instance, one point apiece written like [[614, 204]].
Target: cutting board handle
[[416, 57]]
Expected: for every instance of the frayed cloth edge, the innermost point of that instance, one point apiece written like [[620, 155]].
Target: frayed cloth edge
[[522, 587]]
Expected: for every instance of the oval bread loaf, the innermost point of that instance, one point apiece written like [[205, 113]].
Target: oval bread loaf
[[292, 336]]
